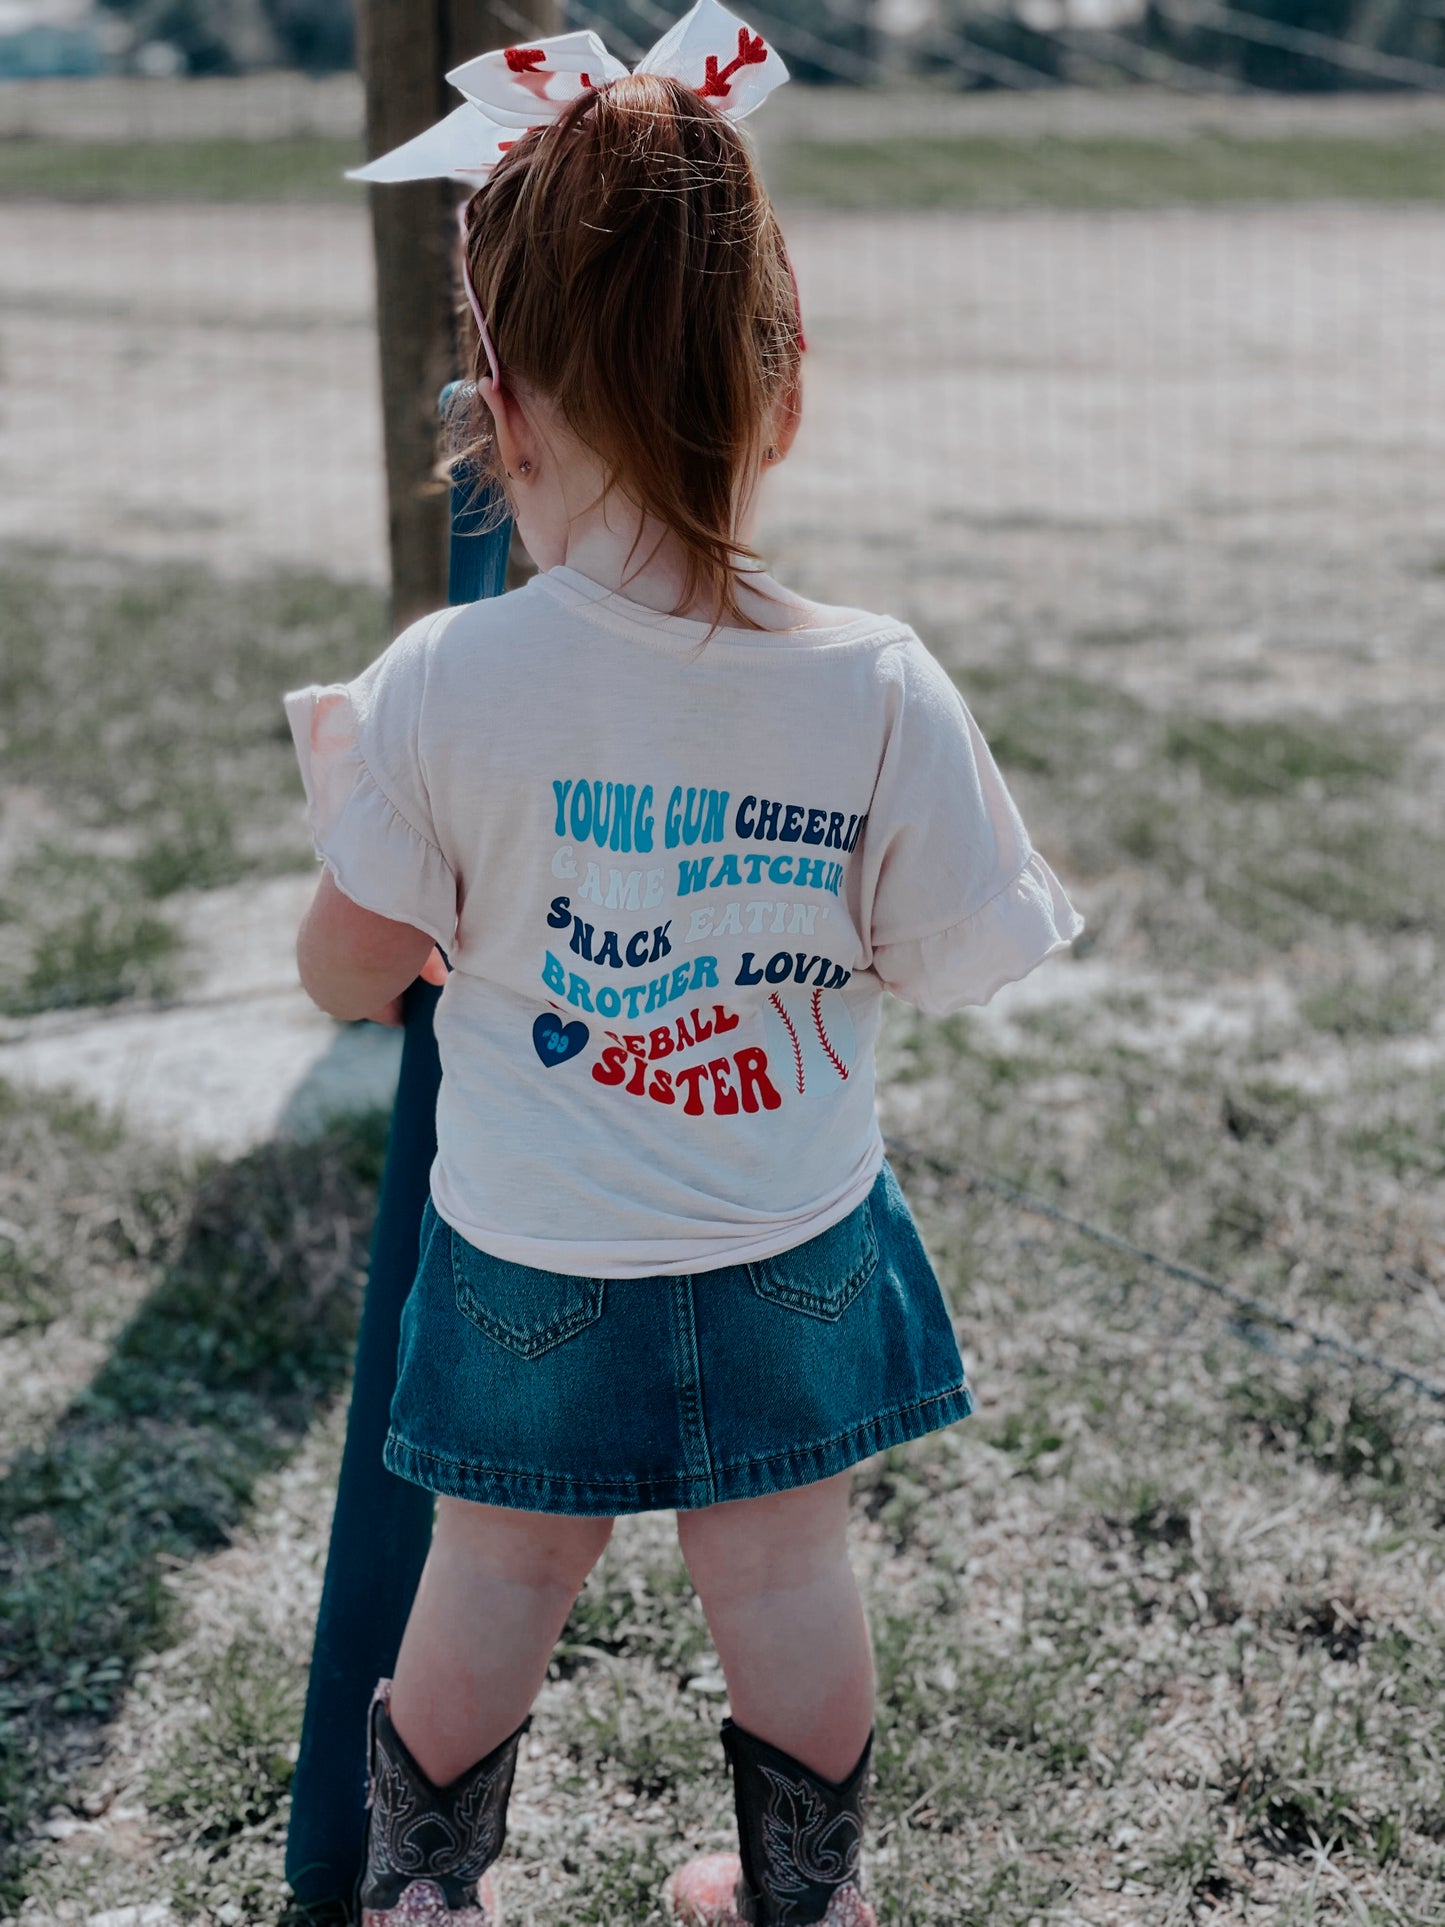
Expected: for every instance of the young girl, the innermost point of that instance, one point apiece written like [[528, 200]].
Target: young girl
[[676, 829]]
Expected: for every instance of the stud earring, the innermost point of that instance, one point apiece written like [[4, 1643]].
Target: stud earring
[[524, 468], [770, 453]]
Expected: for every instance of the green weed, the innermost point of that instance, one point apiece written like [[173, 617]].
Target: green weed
[[1026, 1437], [1262, 1111], [1402, 1005], [230, 1771], [624, 1881], [645, 1609], [1256, 759], [99, 952], [196, 851], [1351, 1433], [1405, 1147]]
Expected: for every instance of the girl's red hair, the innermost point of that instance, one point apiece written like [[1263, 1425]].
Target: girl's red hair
[[632, 270]]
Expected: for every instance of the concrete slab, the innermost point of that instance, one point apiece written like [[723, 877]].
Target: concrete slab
[[242, 1057]]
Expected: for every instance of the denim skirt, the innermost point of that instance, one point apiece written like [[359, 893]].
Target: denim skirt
[[554, 1393]]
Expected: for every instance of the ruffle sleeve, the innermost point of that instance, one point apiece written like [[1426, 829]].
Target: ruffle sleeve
[[1004, 939], [957, 899], [378, 855]]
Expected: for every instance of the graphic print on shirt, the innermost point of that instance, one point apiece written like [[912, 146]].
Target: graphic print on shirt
[[648, 923], [736, 1081], [810, 1039], [555, 1040]]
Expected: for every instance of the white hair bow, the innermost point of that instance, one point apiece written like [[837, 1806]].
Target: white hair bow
[[529, 86]]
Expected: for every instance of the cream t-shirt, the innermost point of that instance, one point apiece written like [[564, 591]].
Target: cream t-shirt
[[674, 874]]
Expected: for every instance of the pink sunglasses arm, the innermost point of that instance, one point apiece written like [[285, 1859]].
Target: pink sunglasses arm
[[473, 303]]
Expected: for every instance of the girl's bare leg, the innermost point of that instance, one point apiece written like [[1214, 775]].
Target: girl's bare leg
[[494, 1596], [786, 1617]]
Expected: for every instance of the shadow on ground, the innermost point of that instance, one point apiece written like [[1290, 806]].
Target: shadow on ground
[[214, 1381]]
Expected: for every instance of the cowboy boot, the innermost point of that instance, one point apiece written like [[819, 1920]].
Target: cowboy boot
[[428, 1848], [800, 1838]]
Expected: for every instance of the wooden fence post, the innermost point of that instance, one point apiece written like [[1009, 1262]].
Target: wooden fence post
[[405, 48]]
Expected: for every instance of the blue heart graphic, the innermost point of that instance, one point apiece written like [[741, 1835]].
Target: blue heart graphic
[[555, 1041]]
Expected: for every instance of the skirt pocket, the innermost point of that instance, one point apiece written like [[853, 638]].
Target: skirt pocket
[[525, 1311], [823, 1276]]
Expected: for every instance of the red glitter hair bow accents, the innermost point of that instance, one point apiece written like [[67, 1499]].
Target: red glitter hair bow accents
[[514, 88]]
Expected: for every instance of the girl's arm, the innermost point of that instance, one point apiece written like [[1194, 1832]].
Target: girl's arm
[[353, 963]]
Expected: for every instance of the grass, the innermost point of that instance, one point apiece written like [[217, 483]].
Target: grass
[[1008, 175], [1223, 844], [1216, 1163], [90, 941], [151, 696], [191, 787], [1159, 1630], [307, 169], [225, 1782], [998, 174], [1275, 756], [1404, 1003], [223, 1305]]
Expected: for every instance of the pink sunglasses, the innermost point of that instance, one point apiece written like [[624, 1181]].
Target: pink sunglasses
[[481, 320]]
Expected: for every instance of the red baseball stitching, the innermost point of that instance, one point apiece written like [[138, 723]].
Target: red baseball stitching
[[833, 1058], [777, 1003]]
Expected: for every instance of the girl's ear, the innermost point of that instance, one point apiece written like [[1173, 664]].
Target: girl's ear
[[516, 437]]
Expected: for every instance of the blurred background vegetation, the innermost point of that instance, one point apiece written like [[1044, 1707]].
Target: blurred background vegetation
[[1285, 45]]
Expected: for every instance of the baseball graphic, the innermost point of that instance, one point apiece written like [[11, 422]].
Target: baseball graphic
[[809, 1040]]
